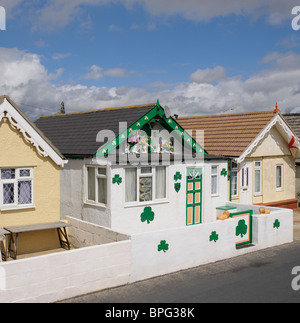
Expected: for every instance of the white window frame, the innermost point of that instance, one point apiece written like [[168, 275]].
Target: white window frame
[[216, 175], [153, 175], [279, 188], [235, 170], [95, 202], [15, 181], [258, 168]]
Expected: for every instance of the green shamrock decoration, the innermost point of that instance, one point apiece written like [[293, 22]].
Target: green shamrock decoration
[[241, 229], [147, 215], [163, 246], [276, 224], [177, 176], [224, 172], [214, 236], [117, 179], [177, 187]]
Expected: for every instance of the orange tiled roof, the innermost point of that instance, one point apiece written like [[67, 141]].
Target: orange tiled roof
[[228, 134]]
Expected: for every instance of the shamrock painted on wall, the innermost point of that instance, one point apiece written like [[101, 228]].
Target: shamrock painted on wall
[[214, 236], [177, 176], [224, 172], [241, 228], [163, 246], [276, 224], [147, 215], [117, 179]]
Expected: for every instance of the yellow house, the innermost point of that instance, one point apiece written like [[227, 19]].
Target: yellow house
[[29, 179], [261, 145]]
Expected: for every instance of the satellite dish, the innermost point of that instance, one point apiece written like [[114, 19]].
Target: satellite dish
[[167, 112]]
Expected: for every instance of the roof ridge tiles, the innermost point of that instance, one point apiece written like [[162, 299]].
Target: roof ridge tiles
[[98, 110]]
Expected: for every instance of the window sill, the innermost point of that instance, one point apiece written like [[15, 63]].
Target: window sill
[[104, 206], [215, 195], [15, 208], [136, 204]]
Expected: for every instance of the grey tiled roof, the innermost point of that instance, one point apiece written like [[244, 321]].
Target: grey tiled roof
[[75, 133], [293, 120]]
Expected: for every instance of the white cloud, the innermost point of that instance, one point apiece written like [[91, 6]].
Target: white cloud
[[274, 10], [56, 14], [96, 72], [208, 75], [59, 56], [29, 84]]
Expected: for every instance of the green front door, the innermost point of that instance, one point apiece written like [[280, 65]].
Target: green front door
[[194, 196]]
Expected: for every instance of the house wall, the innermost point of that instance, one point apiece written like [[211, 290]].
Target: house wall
[[168, 213], [17, 152], [73, 194], [172, 212]]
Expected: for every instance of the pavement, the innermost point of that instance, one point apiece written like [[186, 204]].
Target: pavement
[[297, 225]]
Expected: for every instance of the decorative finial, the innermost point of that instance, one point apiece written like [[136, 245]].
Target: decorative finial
[[276, 109]]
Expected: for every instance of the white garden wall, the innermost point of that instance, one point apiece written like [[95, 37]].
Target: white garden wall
[[67, 274]]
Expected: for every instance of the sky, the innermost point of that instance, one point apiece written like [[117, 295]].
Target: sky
[[197, 57]]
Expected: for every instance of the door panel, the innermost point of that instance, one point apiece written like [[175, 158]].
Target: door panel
[[194, 196]]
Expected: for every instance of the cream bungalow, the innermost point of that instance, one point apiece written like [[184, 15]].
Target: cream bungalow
[[263, 149], [135, 169]]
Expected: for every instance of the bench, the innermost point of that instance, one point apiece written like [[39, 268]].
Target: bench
[[14, 232]]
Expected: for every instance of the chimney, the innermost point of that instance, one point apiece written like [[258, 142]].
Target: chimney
[[62, 109]]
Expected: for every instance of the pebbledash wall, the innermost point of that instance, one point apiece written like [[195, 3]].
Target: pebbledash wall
[[136, 257]]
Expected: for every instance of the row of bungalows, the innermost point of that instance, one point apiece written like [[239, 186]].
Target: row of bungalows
[[136, 169], [262, 147]]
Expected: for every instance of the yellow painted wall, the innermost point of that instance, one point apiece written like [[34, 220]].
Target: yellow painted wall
[[272, 151], [17, 152]]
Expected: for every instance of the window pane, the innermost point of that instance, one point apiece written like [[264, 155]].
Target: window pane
[[24, 172], [234, 182], [214, 184], [214, 169], [160, 186], [102, 195], [102, 171], [145, 189], [24, 192], [278, 176], [91, 184], [8, 194], [146, 170], [7, 173], [257, 181], [130, 184], [257, 164]]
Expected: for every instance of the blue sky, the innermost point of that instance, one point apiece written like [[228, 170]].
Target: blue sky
[[197, 57]]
